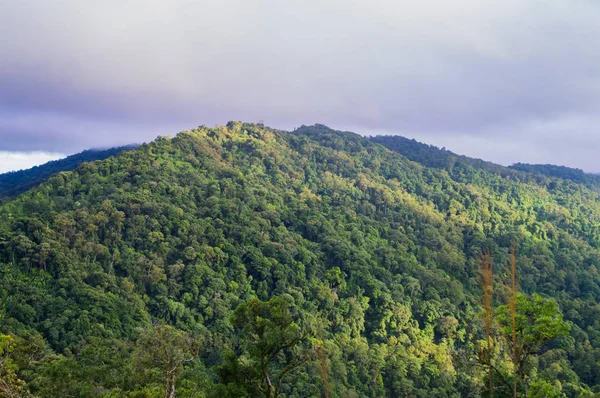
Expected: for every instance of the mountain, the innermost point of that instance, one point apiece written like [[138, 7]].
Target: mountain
[[246, 261], [16, 182]]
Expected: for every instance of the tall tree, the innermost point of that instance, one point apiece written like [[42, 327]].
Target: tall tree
[[274, 340], [486, 353], [533, 322], [169, 349], [513, 291]]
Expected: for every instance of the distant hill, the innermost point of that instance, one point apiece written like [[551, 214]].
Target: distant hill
[[566, 173], [16, 182], [440, 158]]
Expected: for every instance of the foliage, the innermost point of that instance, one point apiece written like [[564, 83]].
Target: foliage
[[274, 348], [168, 348], [536, 322]]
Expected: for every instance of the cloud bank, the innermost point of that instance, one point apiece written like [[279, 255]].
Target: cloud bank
[[12, 161], [507, 81]]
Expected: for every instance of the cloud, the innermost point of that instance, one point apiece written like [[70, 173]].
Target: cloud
[[79, 74], [12, 161]]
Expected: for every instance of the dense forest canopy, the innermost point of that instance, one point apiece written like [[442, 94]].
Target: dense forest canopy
[[246, 261]]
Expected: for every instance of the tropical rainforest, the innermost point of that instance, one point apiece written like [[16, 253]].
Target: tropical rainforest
[[244, 261]]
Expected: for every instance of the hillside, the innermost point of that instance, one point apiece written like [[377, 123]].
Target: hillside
[[245, 261], [432, 156], [539, 174], [16, 182]]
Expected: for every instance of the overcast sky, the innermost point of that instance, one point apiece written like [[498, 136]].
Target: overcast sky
[[506, 80]]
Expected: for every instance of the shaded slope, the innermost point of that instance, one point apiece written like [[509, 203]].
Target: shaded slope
[[432, 156], [17, 182], [562, 172]]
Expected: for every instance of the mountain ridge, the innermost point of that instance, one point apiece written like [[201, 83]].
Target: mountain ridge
[[417, 151]]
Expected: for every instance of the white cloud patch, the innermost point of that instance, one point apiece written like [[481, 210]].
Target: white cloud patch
[[13, 161]]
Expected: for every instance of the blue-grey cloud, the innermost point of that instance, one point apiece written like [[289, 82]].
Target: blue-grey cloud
[[509, 81]]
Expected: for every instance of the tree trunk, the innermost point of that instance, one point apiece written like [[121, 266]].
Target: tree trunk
[[172, 395], [167, 384], [269, 392]]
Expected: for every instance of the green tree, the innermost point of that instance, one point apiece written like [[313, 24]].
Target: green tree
[[536, 321], [274, 340], [167, 349], [11, 386]]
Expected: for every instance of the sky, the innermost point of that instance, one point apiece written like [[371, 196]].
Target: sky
[[506, 81]]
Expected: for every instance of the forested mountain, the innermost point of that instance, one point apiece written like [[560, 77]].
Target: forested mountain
[[16, 182], [439, 158], [242, 261]]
